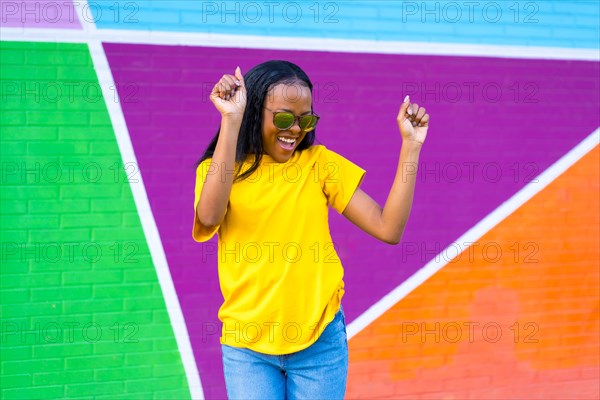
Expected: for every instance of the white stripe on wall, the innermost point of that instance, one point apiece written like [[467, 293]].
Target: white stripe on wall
[[157, 252], [295, 43], [475, 233]]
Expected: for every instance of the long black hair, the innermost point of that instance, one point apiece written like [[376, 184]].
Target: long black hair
[[259, 80]]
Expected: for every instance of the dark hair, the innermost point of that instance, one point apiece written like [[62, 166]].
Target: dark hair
[[259, 80]]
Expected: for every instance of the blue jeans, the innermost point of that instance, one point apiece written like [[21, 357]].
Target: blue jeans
[[317, 372]]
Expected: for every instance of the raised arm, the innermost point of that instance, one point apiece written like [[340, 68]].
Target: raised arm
[[229, 97], [387, 223]]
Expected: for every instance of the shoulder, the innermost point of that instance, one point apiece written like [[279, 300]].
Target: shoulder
[[204, 167], [310, 155], [314, 149], [320, 154], [204, 162]]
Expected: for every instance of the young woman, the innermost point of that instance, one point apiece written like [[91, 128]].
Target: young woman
[[265, 188]]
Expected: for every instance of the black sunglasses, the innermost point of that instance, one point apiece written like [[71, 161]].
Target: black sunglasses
[[284, 120]]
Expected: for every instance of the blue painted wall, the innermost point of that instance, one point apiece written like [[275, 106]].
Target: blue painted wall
[[530, 23]]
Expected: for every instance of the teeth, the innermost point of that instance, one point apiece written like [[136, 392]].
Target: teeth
[[286, 140]]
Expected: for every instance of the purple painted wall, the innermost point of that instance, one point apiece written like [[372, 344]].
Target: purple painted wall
[[496, 123], [44, 14]]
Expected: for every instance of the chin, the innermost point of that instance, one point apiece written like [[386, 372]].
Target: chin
[[280, 156]]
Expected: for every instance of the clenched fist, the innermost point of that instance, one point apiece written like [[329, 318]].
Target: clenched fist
[[413, 121], [229, 95]]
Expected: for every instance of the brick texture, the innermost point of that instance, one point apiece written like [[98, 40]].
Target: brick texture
[[82, 311]]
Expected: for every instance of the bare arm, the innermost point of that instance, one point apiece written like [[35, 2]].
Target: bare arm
[[217, 186], [229, 97], [387, 223]]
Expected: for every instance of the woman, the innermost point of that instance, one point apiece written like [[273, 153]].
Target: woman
[[265, 188]]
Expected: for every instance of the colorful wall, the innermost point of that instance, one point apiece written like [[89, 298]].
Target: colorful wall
[[494, 290]]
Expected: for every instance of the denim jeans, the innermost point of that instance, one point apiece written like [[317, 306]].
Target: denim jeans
[[317, 372]]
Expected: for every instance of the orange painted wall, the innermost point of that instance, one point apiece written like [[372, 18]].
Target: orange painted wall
[[498, 322]]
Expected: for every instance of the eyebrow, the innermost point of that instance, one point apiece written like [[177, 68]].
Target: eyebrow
[[290, 111]]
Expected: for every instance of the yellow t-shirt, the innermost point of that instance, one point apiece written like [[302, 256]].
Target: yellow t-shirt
[[279, 271]]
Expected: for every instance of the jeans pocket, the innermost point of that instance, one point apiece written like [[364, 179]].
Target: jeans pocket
[[335, 328], [343, 318]]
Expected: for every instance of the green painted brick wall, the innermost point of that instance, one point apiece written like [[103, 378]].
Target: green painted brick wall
[[82, 312]]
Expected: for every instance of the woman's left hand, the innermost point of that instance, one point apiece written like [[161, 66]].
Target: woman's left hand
[[413, 121]]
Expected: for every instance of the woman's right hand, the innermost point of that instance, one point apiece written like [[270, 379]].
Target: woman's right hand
[[229, 95]]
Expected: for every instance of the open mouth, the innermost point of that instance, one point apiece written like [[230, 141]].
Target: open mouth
[[287, 143]]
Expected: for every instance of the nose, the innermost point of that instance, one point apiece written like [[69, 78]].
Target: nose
[[295, 129]]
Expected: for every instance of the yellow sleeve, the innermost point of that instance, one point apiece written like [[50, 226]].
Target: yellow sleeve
[[199, 232], [339, 178]]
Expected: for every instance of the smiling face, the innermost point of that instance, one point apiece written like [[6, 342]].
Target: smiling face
[[295, 98]]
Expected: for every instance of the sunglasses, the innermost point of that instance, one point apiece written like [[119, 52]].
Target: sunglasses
[[284, 120]]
